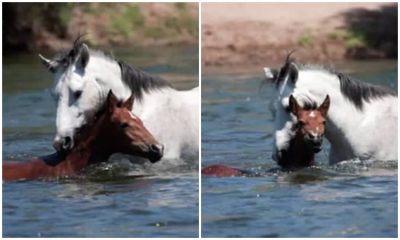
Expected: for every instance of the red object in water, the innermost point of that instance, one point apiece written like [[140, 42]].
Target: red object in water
[[219, 170]]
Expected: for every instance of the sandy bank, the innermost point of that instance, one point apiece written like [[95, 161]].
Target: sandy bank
[[240, 34]]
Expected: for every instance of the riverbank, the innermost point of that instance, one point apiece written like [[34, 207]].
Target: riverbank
[[259, 34], [33, 27]]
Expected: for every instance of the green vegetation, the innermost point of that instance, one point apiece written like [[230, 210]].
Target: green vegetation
[[355, 39], [130, 21], [127, 21], [89, 9], [352, 39], [66, 14], [181, 6], [174, 25], [29, 26], [305, 40]]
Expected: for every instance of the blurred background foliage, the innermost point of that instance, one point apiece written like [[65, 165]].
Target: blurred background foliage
[[50, 26]]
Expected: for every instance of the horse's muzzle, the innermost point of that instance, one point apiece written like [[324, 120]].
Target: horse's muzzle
[[63, 144], [315, 142], [316, 145], [317, 148], [156, 152]]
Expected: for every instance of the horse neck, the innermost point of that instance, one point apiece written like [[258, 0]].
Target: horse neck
[[91, 149], [151, 100], [109, 76], [304, 151]]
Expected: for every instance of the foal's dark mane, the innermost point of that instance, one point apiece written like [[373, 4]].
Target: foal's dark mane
[[137, 80], [354, 90]]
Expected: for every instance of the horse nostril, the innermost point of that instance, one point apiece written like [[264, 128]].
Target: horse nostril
[[162, 149], [67, 143]]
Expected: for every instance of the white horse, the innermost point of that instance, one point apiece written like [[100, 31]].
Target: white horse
[[82, 79], [362, 119]]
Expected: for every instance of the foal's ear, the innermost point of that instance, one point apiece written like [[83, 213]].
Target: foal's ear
[[112, 101], [83, 56], [325, 106], [129, 103], [49, 64], [293, 105]]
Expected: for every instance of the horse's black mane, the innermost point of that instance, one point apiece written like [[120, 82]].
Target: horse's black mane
[[357, 91], [140, 81], [137, 80], [354, 90]]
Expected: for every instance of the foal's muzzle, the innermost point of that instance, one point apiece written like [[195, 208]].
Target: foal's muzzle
[[63, 144], [315, 141], [156, 152]]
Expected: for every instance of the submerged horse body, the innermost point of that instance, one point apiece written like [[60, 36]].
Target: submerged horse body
[[362, 119], [113, 129], [82, 79]]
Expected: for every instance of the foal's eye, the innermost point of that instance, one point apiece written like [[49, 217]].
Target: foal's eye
[[124, 125], [77, 94], [300, 124], [324, 122]]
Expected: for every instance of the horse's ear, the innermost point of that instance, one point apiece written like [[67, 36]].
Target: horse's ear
[[294, 72], [112, 101], [324, 106], [49, 64], [129, 103], [293, 105], [83, 56], [269, 74]]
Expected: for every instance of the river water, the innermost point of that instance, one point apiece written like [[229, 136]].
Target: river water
[[107, 200], [353, 199]]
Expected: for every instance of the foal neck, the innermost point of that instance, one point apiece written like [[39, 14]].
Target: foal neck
[[92, 146], [298, 155]]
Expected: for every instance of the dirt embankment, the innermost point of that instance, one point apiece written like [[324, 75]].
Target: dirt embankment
[[33, 26], [259, 34]]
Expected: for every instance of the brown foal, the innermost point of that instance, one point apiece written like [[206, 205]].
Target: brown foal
[[113, 129], [308, 134]]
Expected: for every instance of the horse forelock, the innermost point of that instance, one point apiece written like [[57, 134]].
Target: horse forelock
[[139, 81], [310, 105], [67, 57]]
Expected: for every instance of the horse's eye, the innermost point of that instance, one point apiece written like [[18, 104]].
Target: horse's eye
[[124, 125], [77, 94], [324, 122]]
